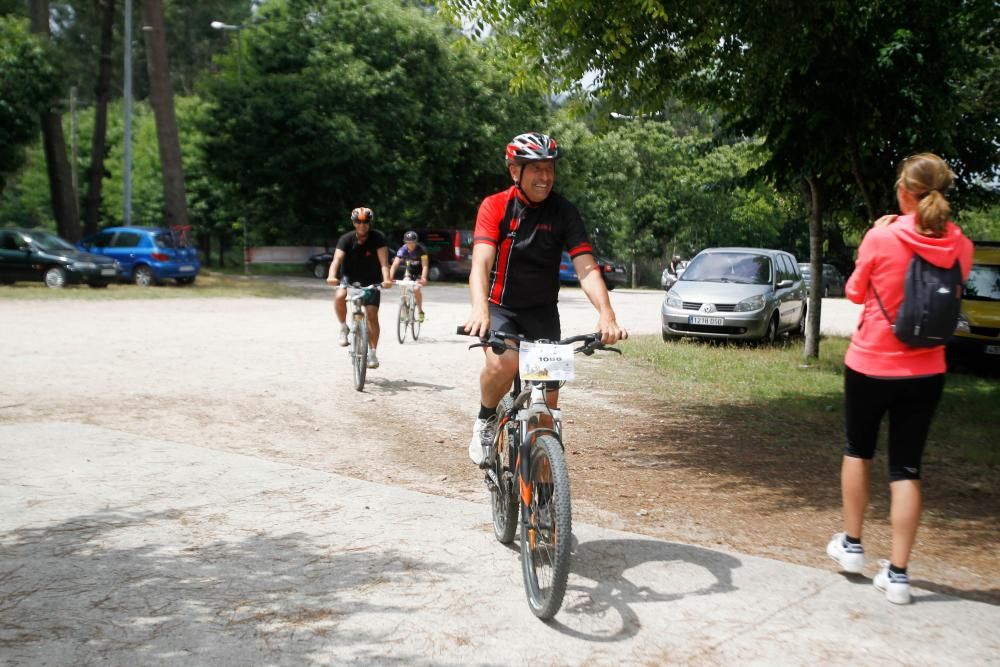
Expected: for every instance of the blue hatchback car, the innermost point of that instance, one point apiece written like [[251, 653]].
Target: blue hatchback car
[[147, 255]]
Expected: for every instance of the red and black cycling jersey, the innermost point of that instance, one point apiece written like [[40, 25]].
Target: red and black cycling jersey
[[530, 240]]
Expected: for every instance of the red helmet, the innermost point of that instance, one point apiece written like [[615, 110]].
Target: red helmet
[[362, 214], [532, 147]]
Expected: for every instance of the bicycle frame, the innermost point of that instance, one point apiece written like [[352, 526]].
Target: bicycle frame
[[358, 331]]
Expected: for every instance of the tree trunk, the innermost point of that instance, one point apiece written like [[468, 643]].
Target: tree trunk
[[815, 267], [161, 98], [95, 175], [64, 204]]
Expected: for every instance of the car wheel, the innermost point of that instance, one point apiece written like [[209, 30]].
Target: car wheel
[[55, 277], [321, 270], [772, 331], [143, 276], [435, 273]]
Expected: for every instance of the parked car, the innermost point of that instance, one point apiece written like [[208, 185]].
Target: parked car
[[319, 264], [668, 279], [737, 293], [147, 255], [614, 274], [449, 252], [979, 322], [36, 255], [833, 281]]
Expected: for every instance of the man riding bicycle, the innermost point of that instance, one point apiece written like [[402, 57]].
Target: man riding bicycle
[[413, 257], [519, 238], [364, 257]]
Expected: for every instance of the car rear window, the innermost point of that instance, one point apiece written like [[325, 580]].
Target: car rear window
[[164, 240]]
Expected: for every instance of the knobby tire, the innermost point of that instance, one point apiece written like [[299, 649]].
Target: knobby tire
[[503, 499], [360, 350], [546, 529]]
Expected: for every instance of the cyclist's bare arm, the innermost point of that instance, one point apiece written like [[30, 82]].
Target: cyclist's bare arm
[[425, 267], [395, 265], [483, 255], [383, 262], [593, 286], [338, 259]]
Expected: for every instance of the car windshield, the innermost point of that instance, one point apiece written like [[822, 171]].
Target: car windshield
[[729, 267], [49, 242], [983, 283]]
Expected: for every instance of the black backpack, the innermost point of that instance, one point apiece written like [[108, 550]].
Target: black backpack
[[932, 300]]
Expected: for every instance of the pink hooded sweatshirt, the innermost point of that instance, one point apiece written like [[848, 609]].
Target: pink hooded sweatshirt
[[883, 259]]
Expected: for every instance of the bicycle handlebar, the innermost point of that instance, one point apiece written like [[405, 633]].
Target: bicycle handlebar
[[591, 341]]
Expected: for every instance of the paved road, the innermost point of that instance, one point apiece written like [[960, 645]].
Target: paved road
[[119, 550]]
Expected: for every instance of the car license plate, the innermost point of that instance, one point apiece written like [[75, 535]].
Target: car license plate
[[993, 349], [187, 267], [107, 272], [710, 321]]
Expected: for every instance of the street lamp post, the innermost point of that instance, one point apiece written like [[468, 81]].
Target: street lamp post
[[219, 25]]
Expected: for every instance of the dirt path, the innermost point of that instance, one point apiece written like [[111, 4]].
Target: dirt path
[[264, 378]]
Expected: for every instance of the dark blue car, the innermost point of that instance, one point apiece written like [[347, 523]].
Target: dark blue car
[[147, 255], [613, 274]]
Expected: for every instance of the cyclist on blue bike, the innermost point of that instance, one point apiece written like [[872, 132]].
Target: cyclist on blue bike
[[518, 241]]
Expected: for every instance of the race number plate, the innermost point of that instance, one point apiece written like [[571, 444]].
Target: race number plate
[[545, 361]]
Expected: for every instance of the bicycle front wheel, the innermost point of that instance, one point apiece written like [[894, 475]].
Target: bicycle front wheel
[[360, 359], [403, 319], [414, 323], [546, 528], [503, 495]]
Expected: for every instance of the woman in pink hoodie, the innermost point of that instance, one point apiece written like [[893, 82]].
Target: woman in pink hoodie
[[883, 375]]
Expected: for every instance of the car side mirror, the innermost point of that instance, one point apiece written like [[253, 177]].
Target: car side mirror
[[782, 284]]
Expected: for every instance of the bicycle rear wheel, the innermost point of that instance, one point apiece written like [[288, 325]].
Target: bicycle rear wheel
[[403, 319], [360, 360], [503, 497], [546, 528]]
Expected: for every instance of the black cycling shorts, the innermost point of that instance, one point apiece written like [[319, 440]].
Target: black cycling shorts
[[539, 322], [910, 403]]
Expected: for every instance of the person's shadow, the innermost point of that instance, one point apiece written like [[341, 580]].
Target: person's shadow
[[626, 572]]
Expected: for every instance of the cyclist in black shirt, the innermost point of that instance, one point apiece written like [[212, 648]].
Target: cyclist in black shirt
[[364, 257], [520, 235]]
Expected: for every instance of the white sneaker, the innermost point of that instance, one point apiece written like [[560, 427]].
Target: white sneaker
[[851, 557], [342, 339], [895, 586], [372, 359], [482, 439]]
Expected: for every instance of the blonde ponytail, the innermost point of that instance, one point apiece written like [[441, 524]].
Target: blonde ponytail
[[927, 177]]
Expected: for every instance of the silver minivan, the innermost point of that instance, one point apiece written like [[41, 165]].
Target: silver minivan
[[738, 293]]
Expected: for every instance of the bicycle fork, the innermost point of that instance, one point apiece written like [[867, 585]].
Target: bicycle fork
[[528, 418]]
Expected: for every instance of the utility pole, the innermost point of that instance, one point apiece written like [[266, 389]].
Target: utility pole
[[127, 173]]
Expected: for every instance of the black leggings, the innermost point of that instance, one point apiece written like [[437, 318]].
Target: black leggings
[[910, 402]]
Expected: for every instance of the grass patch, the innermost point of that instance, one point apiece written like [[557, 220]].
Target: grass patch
[[208, 285], [764, 390]]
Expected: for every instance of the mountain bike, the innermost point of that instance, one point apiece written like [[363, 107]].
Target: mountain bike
[[357, 335], [526, 471], [407, 319]]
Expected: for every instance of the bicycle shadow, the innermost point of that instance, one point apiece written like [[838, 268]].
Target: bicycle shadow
[[626, 572]]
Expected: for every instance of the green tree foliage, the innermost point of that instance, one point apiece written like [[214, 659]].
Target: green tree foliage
[[341, 103], [28, 87]]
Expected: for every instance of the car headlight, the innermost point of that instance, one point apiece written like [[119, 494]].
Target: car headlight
[[81, 266], [755, 302], [674, 301], [963, 324], [118, 266]]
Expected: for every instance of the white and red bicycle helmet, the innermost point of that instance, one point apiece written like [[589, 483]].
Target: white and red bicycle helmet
[[531, 147]]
